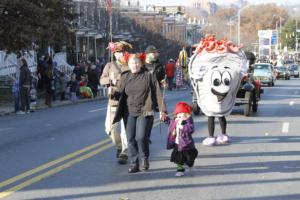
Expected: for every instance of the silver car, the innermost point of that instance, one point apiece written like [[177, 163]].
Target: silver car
[[294, 70], [264, 73]]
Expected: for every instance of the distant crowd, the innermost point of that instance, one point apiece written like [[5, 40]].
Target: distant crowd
[[84, 82]]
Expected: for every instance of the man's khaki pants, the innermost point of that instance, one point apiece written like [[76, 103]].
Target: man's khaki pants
[[116, 131]]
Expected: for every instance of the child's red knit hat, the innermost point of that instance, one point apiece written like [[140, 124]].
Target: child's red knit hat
[[183, 107]]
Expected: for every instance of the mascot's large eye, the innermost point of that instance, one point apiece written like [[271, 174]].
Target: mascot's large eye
[[226, 78], [216, 78]]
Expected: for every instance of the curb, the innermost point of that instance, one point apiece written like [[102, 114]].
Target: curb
[[54, 105]]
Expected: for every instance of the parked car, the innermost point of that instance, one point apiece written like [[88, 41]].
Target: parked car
[[294, 70], [264, 73], [282, 72]]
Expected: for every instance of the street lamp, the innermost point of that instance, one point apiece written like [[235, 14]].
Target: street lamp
[[239, 23]]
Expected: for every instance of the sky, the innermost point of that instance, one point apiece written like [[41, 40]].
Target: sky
[[188, 2]]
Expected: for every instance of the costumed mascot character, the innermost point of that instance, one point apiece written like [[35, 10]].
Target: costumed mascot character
[[216, 69]]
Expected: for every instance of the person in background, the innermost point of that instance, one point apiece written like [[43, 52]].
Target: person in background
[[49, 83], [154, 66], [170, 72], [33, 93], [84, 90], [63, 85], [24, 84], [111, 78], [73, 85], [16, 95], [93, 79]]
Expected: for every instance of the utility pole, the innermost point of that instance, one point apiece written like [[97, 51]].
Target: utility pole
[[296, 38], [280, 33]]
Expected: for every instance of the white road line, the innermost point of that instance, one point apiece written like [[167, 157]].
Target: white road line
[[282, 95], [285, 127], [96, 110], [292, 103], [5, 129]]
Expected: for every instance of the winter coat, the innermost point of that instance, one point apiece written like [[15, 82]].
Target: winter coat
[[25, 77], [112, 68], [157, 69], [185, 134], [170, 70]]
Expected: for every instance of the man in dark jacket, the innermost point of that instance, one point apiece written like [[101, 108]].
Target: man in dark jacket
[[24, 84], [153, 64]]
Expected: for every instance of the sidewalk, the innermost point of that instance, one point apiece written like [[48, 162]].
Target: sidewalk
[[8, 108]]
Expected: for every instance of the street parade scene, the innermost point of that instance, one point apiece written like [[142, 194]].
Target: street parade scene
[[149, 100]]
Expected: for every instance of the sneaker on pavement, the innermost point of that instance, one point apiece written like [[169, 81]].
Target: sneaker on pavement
[[209, 141], [179, 174], [145, 164], [223, 139], [20, 113]]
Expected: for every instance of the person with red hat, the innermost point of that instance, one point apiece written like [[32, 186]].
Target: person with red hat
[[180, 137]]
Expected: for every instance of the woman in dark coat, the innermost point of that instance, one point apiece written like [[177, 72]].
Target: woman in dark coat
[[140, 92]]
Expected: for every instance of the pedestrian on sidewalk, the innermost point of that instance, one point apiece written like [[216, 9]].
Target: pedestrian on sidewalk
[[63, 85], [180, 137], [111, 78], [73, 85], [84, 90], [33, 93], [49, 82], [140, 93], [16, 95], [24, 84]]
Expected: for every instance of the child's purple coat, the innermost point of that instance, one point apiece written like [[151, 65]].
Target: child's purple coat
[[185, 140]]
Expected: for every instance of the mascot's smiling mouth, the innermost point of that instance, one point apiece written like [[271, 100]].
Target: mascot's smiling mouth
[[219, 95]]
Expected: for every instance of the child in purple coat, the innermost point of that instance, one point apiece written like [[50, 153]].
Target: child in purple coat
[[180, 138]]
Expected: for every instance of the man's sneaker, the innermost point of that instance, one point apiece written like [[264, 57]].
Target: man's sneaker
[[20, 113], [133, 169], [209, 141], [123, 159], [145, 164], [179, 174], [223, 139]]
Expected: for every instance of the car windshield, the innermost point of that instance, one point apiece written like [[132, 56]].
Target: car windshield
[[261, 67]]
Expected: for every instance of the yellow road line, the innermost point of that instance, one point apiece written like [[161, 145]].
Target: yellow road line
[[42, 176], [55, 170], [50, 164]]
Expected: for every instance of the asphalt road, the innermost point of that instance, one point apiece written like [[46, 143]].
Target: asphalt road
[[64, 153]]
